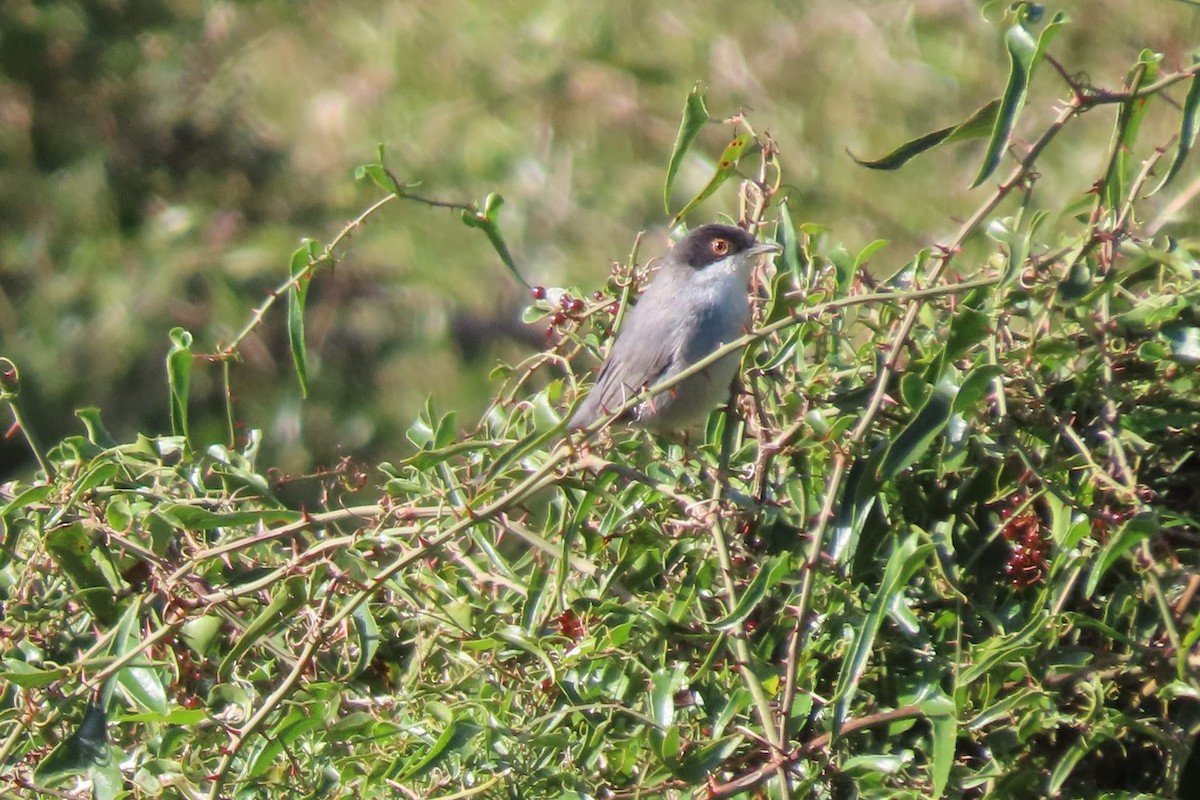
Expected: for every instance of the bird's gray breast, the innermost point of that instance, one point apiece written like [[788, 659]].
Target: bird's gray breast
[[710, 310]]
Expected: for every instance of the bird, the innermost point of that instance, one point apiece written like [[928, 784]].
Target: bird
[[697, 301]]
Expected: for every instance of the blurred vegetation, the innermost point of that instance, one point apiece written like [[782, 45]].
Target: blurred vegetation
[[943, 543]]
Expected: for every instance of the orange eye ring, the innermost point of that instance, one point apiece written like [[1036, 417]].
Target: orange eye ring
[[720, 247]]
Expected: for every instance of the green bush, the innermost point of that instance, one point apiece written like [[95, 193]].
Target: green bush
[[942, 542]]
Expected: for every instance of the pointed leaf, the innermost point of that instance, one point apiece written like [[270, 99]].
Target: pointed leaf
[[695, 116], [301, 272], [1189, 127], [1024, 54], [977, 125], [179, 375], [287, 599], [905, 559], [916, 437], [141, 683], [769, 576], [1128, 125], [726, 164], [487, 222]]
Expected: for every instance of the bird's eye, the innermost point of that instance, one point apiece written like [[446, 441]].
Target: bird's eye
[[720, 246]]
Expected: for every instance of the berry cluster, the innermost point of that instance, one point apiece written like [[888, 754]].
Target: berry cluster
[[570, 308], [1027, 564]]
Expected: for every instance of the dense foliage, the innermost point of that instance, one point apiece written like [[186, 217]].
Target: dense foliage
[[942, 542]]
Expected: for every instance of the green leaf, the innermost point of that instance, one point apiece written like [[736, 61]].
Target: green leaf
[[28, 676], [367, 630], [288, 598], [906, 558], [141, 683], [456, 735], [663, 685], [967, 329], [74, 552], [1024, 54], [96, 432], [86, 747], [859, 495], [296, 724], [301, 272], [1002, 649], [200, 632], [768, 577], [196, 518], [939, 710], [179, 375], [1184, 341], [1188, 128], [487, 222], [1128, 125], [695, 117], [974, 388], [726, 165], [916, 437], [977, 125], [793, 258], [1131, 533]]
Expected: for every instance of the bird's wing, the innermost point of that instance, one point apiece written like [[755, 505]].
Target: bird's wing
[[640, 357]]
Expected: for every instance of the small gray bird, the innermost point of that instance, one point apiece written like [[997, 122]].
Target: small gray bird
[[696, 302]]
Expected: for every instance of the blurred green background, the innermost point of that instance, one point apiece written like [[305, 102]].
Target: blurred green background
[[159, 161]]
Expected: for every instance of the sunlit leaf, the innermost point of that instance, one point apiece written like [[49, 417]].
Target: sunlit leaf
[[726, 164], [695, 116], [979, 124]]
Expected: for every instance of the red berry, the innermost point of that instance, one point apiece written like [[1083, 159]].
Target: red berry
[[538, 292]]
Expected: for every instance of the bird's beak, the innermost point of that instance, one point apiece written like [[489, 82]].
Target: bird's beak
[[764, 247]]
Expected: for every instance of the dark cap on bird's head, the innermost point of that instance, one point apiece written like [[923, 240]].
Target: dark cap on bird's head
[[709, 244]]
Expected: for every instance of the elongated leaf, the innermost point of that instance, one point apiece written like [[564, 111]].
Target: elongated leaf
[[86, 747], [978, 383], [977, 125], [767, 578], [663, 685], [288, 598], [1067, 761], [292, 727], [916, 437], [939, 710], [793, 258], [19, 673], [1188, 128], [141, 683], [1002, 649], [73, 551], [179, 376], [195, 518], [301, 270], [1131, 533], [968, 328], [1129, 124], [1024, 54], [457, 734], [726, 164], [695, 116], [487, 222], [858, 498], [906, 558]]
